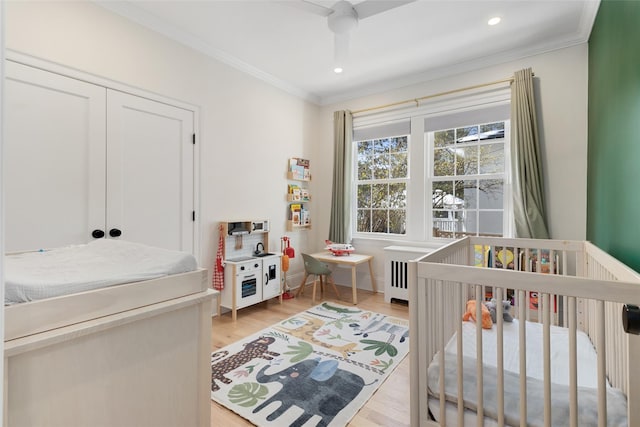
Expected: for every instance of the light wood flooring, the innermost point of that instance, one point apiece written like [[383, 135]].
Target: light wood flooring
[[388, 407]]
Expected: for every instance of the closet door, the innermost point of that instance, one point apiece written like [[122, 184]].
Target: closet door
[[54, 159], [150, 172]]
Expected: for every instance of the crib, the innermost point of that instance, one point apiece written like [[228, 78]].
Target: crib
[[563, 360]]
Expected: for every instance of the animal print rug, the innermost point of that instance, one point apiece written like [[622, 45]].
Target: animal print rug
[[316, 368]]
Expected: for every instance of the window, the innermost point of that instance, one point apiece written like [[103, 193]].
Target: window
[[435, 172], [467, 183], [381, 185]]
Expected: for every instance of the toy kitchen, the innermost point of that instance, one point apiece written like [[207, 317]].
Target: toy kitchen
[[251, 272]]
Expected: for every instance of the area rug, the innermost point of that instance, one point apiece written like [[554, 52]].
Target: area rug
[[317, 368]]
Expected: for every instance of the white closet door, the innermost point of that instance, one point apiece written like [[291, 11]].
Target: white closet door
[[150, 178], [54, 159]]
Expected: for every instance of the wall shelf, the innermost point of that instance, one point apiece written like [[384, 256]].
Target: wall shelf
[[291, 226], [298, 196]]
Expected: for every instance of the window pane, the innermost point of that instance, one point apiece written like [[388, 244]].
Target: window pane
[[364, 196], [467, 134], [379, 193], [399, 145], [491, 223], [381, 146], [443, 162], [468, 192], [492, 158], [441, 193], [398, 165], [364, 160], [470, 223], [364, 147], [444, 137], [397, 221], [364, 220], [398, 195], [381, 166], [467, 158], [491, 194], [492, 130], [379, 221]]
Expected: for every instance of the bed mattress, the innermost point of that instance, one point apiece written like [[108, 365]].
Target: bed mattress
[[586, 366], [44, 274]]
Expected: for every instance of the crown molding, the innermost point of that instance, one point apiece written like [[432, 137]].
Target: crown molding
[[152, 22]]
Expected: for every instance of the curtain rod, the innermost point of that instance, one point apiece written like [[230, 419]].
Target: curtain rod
[[417, 100]]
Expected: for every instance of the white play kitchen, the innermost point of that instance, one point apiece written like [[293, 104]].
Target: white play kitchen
[[251, 272]]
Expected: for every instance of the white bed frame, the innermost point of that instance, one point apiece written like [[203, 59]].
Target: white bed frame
[[135, 354], [590, 287]]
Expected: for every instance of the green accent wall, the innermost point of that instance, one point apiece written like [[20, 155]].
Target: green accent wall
[[613, 186]]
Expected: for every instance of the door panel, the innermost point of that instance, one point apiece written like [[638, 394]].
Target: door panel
[[54, 159], [150, 179]]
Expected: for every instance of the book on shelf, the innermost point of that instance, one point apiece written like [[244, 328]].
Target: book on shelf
[[299, 168], [295, 209], [295, 192]]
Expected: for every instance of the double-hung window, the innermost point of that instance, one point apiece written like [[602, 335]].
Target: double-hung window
[[467, 180], [434, 174], [382, 175]]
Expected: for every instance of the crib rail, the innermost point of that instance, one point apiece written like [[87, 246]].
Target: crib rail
[[577, 287]]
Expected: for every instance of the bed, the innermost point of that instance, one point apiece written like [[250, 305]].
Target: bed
[[565, 358], [99, 346]]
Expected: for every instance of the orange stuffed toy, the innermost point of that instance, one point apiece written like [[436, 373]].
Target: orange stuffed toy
[[487, 323]]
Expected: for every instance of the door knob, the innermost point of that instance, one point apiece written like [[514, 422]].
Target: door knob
[[97, 234], [114, 232]]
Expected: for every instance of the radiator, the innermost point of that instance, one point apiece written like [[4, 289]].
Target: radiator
[[395, 270]]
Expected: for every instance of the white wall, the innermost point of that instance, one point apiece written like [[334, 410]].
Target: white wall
[[561, 82], [248, 129]]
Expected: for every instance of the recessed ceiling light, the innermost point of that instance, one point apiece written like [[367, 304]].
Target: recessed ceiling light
[[337, 70], [494, 21]]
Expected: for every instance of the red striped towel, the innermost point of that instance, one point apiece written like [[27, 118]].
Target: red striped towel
[[218, 268]]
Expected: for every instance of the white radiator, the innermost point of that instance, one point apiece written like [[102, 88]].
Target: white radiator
[[395, 270]]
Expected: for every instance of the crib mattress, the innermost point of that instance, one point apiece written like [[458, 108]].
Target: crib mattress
[[587, 358], [104, 262], [586, 365]]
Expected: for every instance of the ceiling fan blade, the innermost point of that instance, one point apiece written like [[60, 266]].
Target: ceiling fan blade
[[308, 6], [372, 7]]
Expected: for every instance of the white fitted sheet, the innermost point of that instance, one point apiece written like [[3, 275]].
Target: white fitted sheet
[[586, 354], [104, 262], [586, 360]]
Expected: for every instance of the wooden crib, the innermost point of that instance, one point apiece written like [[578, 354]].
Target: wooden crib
[[564, 360]]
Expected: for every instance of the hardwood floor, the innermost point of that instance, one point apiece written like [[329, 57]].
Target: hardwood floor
[[388, 407]]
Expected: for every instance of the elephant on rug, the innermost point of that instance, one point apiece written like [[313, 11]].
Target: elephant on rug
[[318, 387]]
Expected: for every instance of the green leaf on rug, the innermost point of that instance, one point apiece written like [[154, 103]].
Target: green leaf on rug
[[247, 394], [380, 347], [300, 352], [381, 364]]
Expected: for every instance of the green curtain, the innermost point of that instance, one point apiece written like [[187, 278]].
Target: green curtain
[[340, 222], [528, 188]]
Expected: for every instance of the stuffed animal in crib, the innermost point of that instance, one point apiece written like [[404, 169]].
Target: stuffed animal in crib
[[487, 323], [506, 307]]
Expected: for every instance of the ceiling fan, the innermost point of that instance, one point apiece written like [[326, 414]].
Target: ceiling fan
[[343, 17]]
